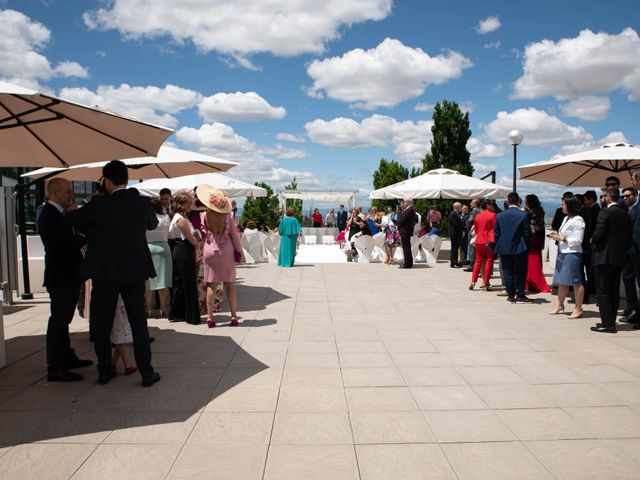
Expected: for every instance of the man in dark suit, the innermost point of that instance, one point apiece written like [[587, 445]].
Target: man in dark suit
[[118, 261], [341, 219], [406, 223], [630, 199], [456, 234], [611, 241], [589, 214], [512, 232], [635, 243], [62, 259]]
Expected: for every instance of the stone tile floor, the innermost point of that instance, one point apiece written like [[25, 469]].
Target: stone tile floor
[[338, 371]]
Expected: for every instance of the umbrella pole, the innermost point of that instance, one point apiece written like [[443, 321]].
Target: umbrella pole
[[22, 230]]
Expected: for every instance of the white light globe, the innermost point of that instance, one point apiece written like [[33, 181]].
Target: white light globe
[[515, 137]]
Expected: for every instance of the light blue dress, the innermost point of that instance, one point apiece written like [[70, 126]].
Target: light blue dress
[[288, 229]]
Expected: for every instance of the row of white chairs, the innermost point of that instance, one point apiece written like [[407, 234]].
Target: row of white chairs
[[371, 249]]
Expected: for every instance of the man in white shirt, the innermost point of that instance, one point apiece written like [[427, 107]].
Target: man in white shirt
[[165, 199]]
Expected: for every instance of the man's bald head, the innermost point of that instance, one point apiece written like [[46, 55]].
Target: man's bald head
[[59, 191]]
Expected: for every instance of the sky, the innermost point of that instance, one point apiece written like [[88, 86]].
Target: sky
[[323, 90]]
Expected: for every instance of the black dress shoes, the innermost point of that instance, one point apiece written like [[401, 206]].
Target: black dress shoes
[[104, 379], [79, 363], [524, 299], [63, 376], [403, 266], [602, 329], [511, 299], [151, 379]]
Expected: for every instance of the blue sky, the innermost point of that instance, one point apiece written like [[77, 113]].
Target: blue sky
[[323, 90]]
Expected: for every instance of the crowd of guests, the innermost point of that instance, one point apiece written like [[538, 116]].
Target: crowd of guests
[[598, 245], [138, 253]]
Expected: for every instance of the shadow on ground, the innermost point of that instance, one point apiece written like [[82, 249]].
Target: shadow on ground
[[197, 369]]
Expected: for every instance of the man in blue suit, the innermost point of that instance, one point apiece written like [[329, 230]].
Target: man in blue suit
[[341, 219], [512, 232]]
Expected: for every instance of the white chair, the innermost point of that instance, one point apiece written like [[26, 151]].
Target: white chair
[[309, 239], [437, 243], [255, 247], [427, 250], [379, 252], [364, 246], [272, 246], [328, 240], [246, 250], [415, 244]]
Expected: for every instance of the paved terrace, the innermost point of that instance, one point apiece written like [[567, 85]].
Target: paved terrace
[[340, 371]]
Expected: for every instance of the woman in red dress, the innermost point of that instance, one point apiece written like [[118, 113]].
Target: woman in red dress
[[536, 283], [317, 218]]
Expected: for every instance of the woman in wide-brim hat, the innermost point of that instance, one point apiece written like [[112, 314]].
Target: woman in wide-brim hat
[[221, 248]]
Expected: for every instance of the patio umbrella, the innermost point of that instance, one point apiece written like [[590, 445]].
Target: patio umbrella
[[170, 162], [230, 186], [586, 169], [39, 130], [441, 183]]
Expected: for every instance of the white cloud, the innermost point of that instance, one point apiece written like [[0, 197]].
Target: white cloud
[[489, 24], [152, 104], [588, 64], [424, 107], [478, 149], [467, 107], [238, 28], [382, 76], [492, 45], [410, 140], [539, 128], [239, 106], [257, 163], [480, 168], [611, 137], [289, 137], [20, 58], [589, 107]]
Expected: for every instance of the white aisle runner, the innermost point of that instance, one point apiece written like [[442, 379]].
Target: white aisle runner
[[311, 254]]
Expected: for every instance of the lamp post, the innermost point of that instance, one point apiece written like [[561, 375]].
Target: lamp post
[[515, 139]]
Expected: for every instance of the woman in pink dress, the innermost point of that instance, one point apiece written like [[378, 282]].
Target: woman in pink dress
[[221, 249]]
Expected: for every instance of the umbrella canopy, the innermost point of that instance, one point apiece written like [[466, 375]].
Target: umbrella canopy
[[230, 186], [170, 162], [586, 169], [38, 130], [441, 183]]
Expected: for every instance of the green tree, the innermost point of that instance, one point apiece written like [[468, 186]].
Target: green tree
[[290, 202], [261, 210], [388, 173]]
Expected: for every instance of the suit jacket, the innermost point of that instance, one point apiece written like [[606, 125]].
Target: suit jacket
[[456, 226], [116, 227], [635, 227], [512, 232], [612, 237], [484, 223], [558, 217], [407, 221], [62, 254], [341, 218]]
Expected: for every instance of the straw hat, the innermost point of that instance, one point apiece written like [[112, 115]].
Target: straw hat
[[213, 198]]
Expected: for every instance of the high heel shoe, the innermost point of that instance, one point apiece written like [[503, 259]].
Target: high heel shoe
[[211, 323], [576, 314], [557, 311], [234, 321], [130, 370]]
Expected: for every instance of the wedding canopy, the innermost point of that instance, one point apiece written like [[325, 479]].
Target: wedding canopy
[[231, 186], [586, 169], [441, 183], [38, 130], [338, 196], [170, 162]]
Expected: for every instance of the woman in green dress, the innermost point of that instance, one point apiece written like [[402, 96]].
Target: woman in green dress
[[288, 229]]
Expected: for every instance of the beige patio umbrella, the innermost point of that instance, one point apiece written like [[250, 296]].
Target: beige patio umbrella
[[586, 169], [39, 130], [170, 162]]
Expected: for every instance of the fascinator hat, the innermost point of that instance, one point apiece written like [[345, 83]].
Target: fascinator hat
[[213, 198]]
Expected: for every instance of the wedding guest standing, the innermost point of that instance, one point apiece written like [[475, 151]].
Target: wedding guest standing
[[330, 219], [483, 224], [568, 270], [406, 222], [221, 248], [456, 234], [184, 304], [157, 239], [341, 218], [317, 218], [536, 283], [62, 260], [611, 241], [512, 232], [288, 229], [118, 262]]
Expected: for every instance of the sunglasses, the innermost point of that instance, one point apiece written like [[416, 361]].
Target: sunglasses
[[627, 196], [611, 184]]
